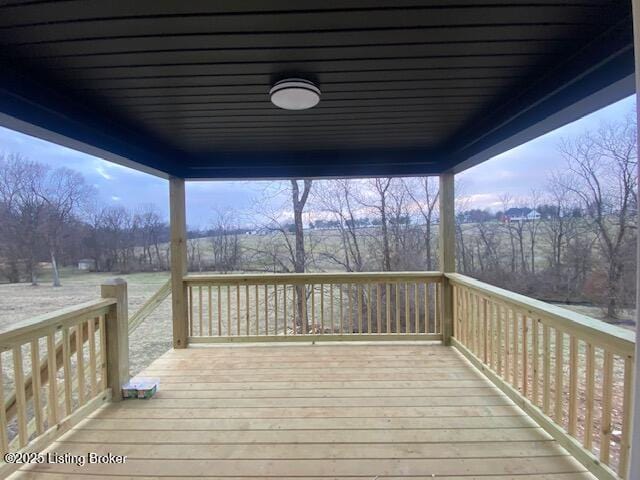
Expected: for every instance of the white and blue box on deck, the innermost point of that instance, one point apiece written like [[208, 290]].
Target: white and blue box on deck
[[140, 387]]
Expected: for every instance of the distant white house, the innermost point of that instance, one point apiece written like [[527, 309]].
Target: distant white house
[[521, 215]]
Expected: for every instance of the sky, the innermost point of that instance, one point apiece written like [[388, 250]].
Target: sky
[[516, 171]]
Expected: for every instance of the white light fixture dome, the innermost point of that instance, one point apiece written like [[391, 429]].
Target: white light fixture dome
[[294, 94]]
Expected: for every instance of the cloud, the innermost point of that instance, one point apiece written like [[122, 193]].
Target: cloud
[[103, 173]]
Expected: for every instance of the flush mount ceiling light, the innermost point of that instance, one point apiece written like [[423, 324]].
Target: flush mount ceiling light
[[294, 94]]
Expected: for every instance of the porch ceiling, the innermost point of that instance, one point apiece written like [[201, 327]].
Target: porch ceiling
[[408, 86]]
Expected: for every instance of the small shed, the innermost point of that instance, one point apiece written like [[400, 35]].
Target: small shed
[[86, 265]]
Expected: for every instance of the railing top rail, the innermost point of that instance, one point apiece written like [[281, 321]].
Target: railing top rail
[[41, 324], [600, 333], [302, 278]]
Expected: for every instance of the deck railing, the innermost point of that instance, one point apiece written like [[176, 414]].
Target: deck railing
[[60, 367], [323, 306], [571, 373]]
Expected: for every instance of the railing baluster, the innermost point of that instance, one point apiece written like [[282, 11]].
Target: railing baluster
[[322, 309], [559, 381], [489, 307], [294, 309], [388, 306], [219, 311], [247, 310], [416, 310], [21, 402], [485, 330], [80, 372], [284, 307], [397, 299], [477, 332], [378, 309], [499, 339], [438, 308], [238, 310], [190, 310], [605, 424], [266, 310], [525, 355], [257, 299], [369, 313], [341, 308], [210, 311], [349, 310], [313, 309], [625, 440], [359, 302], [52, 403], [573, 385], [200, 321], [426, 308], [35, 385], [228, 310], [464, 315], [475, 329], [407, 310], [332, 307], [66, 362], [103, 352], [471, 323], [4, 437], [305, 317], [93, 364], [275, 309], [536, 361], [590, 387], [515, 377], [546, 370], [507, 345]]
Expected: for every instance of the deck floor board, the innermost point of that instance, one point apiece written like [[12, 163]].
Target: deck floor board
[[315, 412]]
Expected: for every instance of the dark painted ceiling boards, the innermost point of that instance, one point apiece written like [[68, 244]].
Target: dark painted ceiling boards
[[407, 86]]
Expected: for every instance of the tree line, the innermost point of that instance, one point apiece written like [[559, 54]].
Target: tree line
[[52, 215], [573, 239]]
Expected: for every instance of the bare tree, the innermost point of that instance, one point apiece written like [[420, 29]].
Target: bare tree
[[21, 184], [299, 200], [532, 226], [376, 198], [337, 198], [225, 242], [425, 193], [152, 228], [461, 203], [602, 173], [63, 193]]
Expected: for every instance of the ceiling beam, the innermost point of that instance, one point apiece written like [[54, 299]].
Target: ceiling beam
[[316, 164]]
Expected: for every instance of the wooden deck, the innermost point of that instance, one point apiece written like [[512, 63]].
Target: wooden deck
[[316, 411]]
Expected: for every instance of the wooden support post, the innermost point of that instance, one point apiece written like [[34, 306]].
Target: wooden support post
[[634, 450], [447, 251], [178, 261], [116, 327]]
